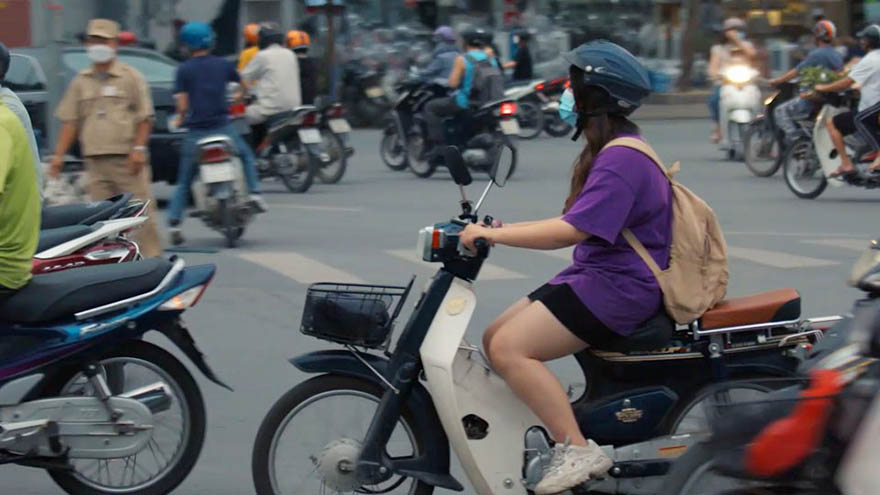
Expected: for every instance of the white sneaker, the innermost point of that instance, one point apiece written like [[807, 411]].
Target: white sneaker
[[176, 236], [572, 465], [259, 203]]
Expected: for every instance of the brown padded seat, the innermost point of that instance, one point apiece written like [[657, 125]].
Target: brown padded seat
[[776, 305]]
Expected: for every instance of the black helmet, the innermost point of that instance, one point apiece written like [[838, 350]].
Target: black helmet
[[871, 34], [478, 37], [270, 34], [4, 60], [612, 68]]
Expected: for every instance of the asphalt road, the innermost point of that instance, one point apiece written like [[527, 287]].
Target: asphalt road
[[365, 228]]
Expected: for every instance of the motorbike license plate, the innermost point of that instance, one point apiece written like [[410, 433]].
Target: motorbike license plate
[[309, 136], [510, 127], [374, 92], [217, 172], [339, 126]]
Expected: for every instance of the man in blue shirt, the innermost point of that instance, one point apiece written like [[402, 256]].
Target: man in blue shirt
[[200, 90], [824, 55], [461, 77], [443, 57]]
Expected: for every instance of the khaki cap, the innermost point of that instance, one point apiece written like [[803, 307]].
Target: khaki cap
[[103, 28]]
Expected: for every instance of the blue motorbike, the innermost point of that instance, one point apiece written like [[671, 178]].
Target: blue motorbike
[[84, 397]]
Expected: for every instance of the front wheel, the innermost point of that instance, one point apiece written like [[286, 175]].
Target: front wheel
[[416, 156], [310, 439], [178, 429], [695, 473], [393, 151], [761, 149], [803, 172], [530, 119], [332, 170], [299, 175]]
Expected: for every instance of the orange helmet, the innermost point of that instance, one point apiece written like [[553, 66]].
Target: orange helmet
[[252, 33], [298, 39]]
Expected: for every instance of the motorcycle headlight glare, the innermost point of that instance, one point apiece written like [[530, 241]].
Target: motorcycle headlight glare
[[739, 74]]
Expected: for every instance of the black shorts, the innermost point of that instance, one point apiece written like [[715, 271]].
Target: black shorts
[[567, 307], [845, 122]]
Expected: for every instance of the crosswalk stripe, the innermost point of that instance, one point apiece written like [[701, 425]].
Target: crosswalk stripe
[[300, 268], [776, 259], [857, 245], [489, 271]]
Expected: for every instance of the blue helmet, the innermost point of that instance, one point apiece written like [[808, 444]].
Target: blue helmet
[[197, 36], [612, 68]]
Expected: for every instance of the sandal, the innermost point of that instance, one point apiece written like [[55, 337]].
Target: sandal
[[841, 173]]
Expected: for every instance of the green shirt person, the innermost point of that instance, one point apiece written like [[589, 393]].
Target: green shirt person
[[19, 205]]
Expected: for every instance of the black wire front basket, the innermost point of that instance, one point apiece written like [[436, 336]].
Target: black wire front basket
[[353, 314]]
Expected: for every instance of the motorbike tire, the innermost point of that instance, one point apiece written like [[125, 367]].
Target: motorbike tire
[[555, 126], [395, 161], [763, 168], [138, 349], [751, 382], [300, 394], [230, 230], [530, 119], [308, 178], [700, 459], [332, 172], [417, 163], [801, 146]]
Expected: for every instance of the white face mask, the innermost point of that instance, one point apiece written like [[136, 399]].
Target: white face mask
[[100, 54]]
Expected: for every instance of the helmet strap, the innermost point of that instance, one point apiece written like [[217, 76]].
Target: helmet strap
[[582, 119]]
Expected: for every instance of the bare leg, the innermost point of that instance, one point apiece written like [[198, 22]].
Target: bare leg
[[508, 313], [716, 133], [846, 165], [518, 351]]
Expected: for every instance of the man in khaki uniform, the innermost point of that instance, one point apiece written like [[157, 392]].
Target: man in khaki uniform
[[108, 106]]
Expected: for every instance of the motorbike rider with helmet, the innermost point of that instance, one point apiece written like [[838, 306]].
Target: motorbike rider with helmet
[[608, 291], [461, 78], [273, 74], [443, 57], [866, 74], [824, 55], [200, 91], [299, 42], [251, 36], [733, 47]]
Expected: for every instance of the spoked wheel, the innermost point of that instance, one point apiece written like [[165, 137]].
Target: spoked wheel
[[416, 157], [696, 473], [178, 426], [393, 151], [310, 439], [530, 119], [555, 126], [692, 416], [761, 149], [331, 172], [802, 170], [298, 177]]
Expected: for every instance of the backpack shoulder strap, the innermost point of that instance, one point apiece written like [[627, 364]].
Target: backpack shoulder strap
[[643, 253], [647, 150]]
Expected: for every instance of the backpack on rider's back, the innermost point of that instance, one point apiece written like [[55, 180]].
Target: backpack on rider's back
[[488, 81]]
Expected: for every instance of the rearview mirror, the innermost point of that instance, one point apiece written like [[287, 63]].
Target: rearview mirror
[[505, 158], [455, 163]]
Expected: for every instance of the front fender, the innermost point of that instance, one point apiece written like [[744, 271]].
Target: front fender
[[435, 468]]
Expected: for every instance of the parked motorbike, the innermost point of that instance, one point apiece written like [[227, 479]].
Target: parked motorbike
[[763, 140], [382, 423], [811, 159], [530, 113], [335, 146], [482, 133], [121, 206], [84, 397], [362, 93], [75, 246], [549, 92], [740, 104], [414, 94], [817, 436]]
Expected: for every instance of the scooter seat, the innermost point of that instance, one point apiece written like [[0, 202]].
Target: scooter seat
[[50, 238], [655, 333], [55, 296], [777, 305], [82, 213]]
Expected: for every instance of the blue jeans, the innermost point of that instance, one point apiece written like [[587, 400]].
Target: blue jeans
[[715, 103], [186, 172]]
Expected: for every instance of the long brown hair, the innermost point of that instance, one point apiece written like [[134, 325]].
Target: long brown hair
[[598, 130]]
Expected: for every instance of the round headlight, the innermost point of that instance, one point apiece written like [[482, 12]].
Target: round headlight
[[864, 271], [739, 74]]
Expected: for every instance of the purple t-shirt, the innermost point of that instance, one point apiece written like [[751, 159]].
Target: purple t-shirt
[[624, 189]]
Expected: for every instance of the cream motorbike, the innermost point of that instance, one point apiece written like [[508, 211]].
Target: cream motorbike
[[374, 422]]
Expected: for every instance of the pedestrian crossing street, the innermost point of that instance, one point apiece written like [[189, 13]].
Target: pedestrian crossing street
[[308, 269]]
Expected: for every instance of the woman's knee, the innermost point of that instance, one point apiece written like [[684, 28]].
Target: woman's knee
[[502, 351]]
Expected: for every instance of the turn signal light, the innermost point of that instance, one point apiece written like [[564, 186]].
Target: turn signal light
[[214, 154], [540, 87], [184, 300], [567, 84], [236, 109], [507, 109]]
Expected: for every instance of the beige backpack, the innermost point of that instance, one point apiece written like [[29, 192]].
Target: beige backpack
[[696, 279]]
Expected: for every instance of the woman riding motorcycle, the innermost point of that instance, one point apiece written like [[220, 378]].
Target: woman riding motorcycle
[[732, 48], [608, 290]]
